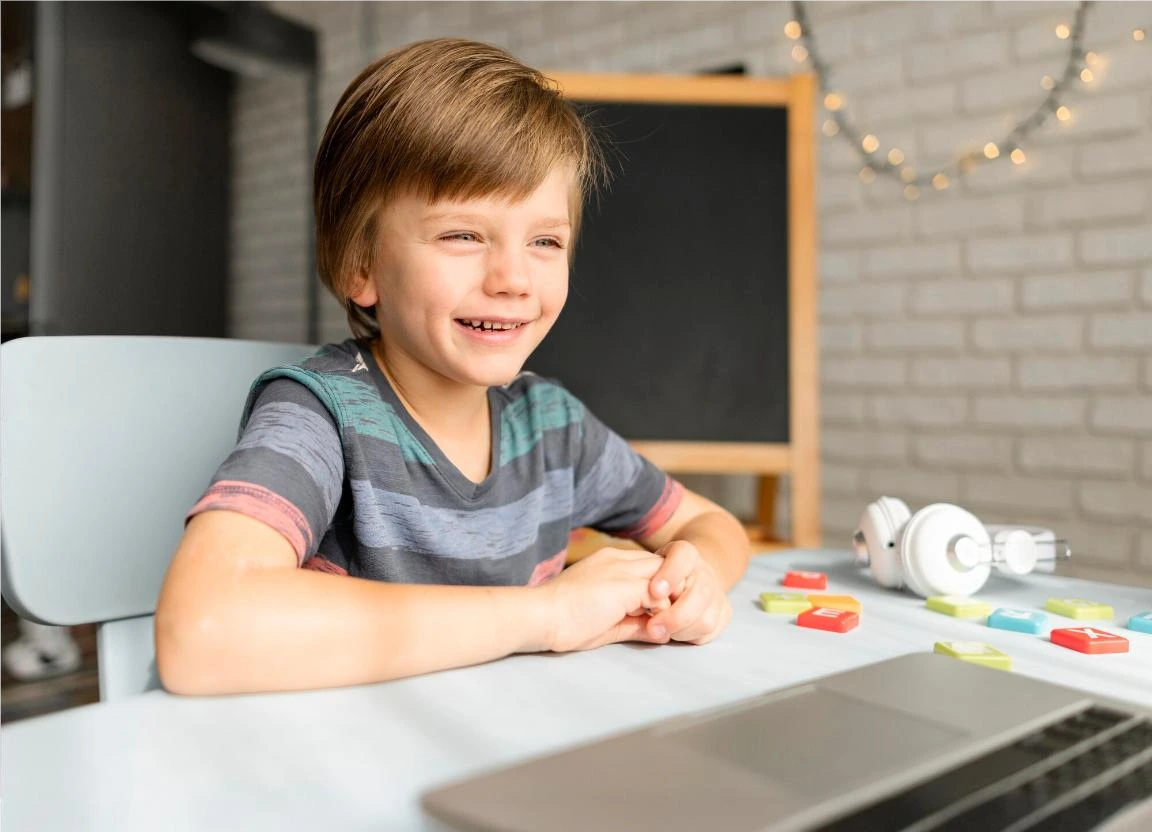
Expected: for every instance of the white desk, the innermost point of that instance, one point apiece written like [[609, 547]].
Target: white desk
[[358, 758]]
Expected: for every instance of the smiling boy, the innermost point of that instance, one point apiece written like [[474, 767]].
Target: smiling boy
[[401, 502]]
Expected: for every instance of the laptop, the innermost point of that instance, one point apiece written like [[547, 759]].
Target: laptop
[[920, 742]]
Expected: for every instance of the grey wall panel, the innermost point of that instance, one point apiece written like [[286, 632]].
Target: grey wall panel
[[132, 163]]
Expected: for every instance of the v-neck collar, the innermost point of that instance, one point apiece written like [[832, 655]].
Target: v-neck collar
[[462, 485]]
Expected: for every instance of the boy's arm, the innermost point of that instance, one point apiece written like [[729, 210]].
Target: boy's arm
[[237, 615], [718, 536], [706, 552]]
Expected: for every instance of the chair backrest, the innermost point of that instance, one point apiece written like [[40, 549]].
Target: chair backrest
[[105, 443]]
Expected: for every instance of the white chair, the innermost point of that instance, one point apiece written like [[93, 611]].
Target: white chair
[[105, 443]]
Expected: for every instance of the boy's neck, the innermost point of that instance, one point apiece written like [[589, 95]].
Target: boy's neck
[[448, 411]]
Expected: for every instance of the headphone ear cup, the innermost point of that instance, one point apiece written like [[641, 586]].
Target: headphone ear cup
[[879, 529], [925, 544]]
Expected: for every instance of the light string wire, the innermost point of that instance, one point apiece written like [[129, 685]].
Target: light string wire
[[965, 163]]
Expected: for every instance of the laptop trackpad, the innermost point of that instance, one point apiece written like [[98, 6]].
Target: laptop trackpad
[[816, 741]]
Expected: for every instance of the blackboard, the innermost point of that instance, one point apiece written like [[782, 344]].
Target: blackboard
[[677, 326], [691, 320]]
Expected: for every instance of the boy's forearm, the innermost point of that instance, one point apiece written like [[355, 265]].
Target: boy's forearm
[[299, 629], [722, 541]]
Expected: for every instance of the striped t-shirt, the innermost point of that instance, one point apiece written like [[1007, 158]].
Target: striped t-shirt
[[330, 457]]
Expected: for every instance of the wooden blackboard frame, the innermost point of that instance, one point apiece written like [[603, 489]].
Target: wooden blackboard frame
[[799, 458]]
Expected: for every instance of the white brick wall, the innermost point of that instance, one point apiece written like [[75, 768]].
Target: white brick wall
[[990, 344]]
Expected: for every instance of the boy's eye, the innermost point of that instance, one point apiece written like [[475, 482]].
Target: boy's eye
[[465, 236], [547, 242]]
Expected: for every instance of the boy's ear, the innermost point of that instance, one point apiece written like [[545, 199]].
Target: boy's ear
[[364, 290]]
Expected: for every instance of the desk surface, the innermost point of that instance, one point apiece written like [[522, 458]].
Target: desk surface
[[358, 758]]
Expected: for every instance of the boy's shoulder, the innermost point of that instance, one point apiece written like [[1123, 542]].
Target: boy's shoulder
[[345, 358], [532, 395]]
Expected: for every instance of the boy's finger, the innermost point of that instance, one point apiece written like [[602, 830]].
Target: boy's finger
[[680, 559], [632, 628], [682, 614]]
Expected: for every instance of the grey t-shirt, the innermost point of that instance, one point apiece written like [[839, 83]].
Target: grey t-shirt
[[330, 458]]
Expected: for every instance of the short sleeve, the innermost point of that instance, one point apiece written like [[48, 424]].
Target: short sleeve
[[287, 469], [617, 490]]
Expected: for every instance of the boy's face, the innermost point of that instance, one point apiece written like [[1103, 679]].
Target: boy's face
[[441, 268]]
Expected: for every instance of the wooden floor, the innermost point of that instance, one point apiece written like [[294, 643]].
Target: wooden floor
[[21, 700]]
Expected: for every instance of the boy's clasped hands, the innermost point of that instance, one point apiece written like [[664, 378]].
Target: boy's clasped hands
[[617, 595]]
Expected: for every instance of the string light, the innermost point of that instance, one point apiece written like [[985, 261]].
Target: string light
[[799, 54], [1137, 34], [893, 164]]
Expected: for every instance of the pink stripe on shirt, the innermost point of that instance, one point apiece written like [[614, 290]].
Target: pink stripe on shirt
[[546, 570], [659, 514], [258, 502]]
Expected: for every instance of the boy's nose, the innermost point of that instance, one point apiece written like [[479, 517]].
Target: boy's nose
[[508, 274]]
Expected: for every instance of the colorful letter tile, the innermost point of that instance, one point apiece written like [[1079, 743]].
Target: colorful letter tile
[[835, 602], [1141, 622], [806, 580], [790, 602], [960, 606], [1089, 640], [1078, 608], [1021, 621], [976, 653], [824, 618]]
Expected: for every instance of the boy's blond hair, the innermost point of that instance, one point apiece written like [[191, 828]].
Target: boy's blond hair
[[446, 118]]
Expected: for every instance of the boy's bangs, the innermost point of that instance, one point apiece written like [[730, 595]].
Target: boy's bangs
[[485, 157]]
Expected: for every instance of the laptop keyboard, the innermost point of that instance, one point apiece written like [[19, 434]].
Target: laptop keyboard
[[1067, 777]]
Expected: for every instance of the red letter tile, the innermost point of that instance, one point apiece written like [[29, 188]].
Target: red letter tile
[[806, 580], [1089, 640], [823, 618]]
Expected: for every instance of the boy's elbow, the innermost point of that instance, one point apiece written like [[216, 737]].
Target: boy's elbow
[[183, 648]]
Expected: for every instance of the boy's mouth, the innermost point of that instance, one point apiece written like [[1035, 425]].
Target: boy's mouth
[[489, 326]]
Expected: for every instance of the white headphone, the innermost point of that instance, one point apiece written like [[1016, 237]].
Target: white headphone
[[940, 550]]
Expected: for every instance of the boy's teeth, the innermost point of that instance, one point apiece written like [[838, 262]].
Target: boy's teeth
[[489, 325]]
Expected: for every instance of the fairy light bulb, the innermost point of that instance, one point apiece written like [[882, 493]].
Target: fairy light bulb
[[911, 193], [907, 174], [939, 181], [799, 53], [991, 150], [792, 29], [1091, 58], [1062, 31], [1063, 113], [833, 101], [1047, 82], [831, 128], [895, 156], [1086, 75], [1137, 35], [870, 143], [1018, 157], [867, 175]]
